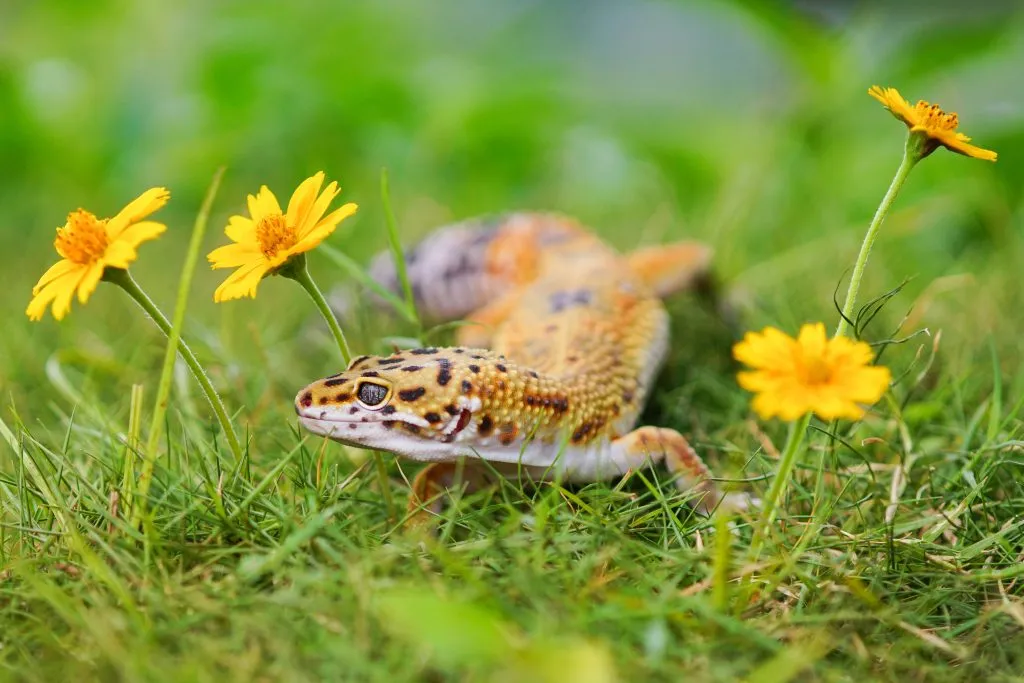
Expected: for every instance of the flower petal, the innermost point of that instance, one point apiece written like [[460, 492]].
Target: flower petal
[[266, 204], [338, 215], [812, 339], [120, 254], [241, 229], [62, 302], [770, 348], [89, 280], [242, 282], [303, 198], [55, 287], [140, 232], [312, 217], [57, 270], [234, 255], [960, 144], [145, 204], [315, 237]]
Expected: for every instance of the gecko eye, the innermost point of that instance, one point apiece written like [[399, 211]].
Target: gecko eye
[[371, 394]]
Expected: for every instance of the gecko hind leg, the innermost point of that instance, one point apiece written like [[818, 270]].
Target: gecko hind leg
[[647, 444], [671, 268]]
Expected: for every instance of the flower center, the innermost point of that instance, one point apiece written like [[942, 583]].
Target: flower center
[[84, 239], [274, 235], [816, 370], [931, 117]]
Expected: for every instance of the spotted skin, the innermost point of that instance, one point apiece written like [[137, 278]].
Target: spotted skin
[[567, 337]]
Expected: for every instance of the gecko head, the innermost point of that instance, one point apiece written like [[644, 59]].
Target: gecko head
[[410, 402]]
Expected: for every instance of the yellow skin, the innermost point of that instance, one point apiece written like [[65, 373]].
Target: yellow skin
[[576, 334]]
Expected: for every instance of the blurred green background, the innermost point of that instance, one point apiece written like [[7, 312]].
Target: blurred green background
[[743, 123]]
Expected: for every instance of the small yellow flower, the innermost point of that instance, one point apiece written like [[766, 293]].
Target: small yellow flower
[[88, 245], [937, 125], [270, 237], [831, 377]]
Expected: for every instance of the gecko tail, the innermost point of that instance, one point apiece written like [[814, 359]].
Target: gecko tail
[[461, 268]]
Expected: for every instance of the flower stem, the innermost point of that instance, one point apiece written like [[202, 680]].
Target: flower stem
[[124, 280], [297, 270], [911, 155], [787, 461]]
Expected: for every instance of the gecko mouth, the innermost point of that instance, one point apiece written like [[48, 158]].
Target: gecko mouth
[[342, 427]]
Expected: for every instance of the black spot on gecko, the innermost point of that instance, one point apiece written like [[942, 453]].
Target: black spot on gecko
[[474, 368], [353, 410], [451, 409], [410, 395], [370, 373], [486, 425], [432, 418], [356, 362], [388, 424], [583, 430], [390, 361], [352, 425], [334, 382], [559, 301], [467, 386], [532, 374], [307, 400], [459, 350], [343, 397], [322, 400], [412, 429], [412, 368], [426, 351], [500, 368], [387, 410], [457, 269], [444, 375]]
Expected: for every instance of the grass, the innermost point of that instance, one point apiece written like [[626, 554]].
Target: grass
[[900, 549]]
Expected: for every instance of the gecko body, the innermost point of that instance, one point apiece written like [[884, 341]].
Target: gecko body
[[565, 338]]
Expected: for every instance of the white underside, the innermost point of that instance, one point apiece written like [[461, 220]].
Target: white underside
[[596, 461]]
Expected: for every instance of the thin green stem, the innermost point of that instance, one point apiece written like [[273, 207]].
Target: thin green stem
[[396, 251], [163, 392], [911, 155], [780, 483], [124, 280], [297, 270]]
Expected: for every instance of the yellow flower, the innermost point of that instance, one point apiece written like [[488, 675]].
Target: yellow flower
[[271, 237], [791, 377], [88, 245], [938, 126]]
